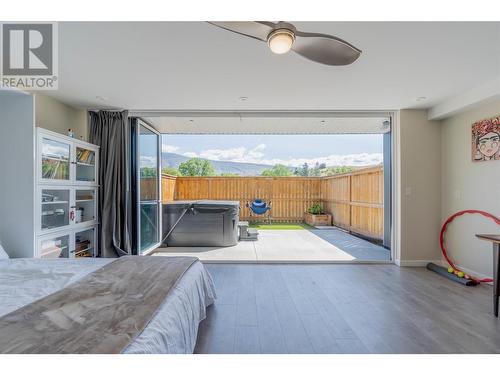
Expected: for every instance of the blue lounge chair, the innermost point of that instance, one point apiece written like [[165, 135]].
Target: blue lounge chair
[[259, 207]]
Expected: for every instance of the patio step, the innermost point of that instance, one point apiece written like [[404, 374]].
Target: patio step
[[243, 224], [246, 233]]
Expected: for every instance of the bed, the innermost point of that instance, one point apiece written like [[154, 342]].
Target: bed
[[172, 329]]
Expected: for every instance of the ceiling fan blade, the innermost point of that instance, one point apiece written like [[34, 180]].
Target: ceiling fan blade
[[254, 29], [325, 49]]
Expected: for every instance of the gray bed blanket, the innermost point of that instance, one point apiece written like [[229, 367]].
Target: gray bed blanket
[[100, 313]]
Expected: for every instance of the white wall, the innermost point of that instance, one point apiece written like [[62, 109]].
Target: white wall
[[420, 187], [53, 115], [468, 185], [17, 171]]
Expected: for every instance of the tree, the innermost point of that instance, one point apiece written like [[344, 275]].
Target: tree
[[279, 170], [148, 172], [196, 167], [302, 171], [305, 170], [229, 174], [316, 171], [320, 169], [170, 171], [330, 171]]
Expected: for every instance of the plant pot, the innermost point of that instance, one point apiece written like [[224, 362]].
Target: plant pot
[[320, 219]]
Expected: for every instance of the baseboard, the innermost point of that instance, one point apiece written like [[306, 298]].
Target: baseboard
[[467, 270], [416, 263], [440, 262]]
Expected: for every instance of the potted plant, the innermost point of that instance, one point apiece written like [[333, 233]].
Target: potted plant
[[316, 216]]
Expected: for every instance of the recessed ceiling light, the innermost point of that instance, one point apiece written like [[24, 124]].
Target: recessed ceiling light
[[243, 98], [421, 98], [191, 120], [322, 122], [101, 98]]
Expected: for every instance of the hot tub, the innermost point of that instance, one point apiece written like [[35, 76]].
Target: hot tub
[[205, 223]]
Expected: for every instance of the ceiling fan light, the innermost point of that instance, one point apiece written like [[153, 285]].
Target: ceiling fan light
[[280, 41]]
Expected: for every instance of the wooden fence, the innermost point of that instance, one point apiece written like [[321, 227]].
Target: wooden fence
[[354, 199], [168, 184], [148, 188], [290, 196]]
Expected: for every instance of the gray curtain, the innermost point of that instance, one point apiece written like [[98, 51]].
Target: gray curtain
[[110, 131]]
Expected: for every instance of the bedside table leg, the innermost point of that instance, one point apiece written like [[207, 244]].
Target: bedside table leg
[[496, 272]]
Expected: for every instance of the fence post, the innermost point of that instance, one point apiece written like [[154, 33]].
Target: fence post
[[350, 201]]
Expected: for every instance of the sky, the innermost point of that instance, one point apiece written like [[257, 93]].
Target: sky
[[291, 150]]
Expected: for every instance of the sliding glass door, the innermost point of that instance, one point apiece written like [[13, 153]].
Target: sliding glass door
[[148, 187]]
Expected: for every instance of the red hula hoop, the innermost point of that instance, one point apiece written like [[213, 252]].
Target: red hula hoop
[[443, 230]]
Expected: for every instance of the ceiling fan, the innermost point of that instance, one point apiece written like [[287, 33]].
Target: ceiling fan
[[282, 37]]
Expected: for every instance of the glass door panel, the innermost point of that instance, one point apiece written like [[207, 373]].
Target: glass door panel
[[55, 160], [85, 205], [85, 165], [84, 243], [149, 225], [148, 188], [57, 247], [148, 164], [55, 211]]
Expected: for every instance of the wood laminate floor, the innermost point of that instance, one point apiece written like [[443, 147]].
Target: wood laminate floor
[[336, 308]]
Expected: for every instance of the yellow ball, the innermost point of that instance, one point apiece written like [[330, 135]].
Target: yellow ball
[[450, 269], [460, 274]]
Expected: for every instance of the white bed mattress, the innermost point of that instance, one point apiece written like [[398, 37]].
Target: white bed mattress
[[173, 329]]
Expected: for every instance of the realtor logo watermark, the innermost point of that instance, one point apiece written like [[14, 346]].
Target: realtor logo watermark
[[29, 56]]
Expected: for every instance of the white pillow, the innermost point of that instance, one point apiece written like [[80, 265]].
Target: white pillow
[[3, 254]]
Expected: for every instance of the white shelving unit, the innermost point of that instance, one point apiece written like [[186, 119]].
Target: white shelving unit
[[66, 196]]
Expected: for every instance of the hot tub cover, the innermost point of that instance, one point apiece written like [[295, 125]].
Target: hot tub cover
[[206, 223]]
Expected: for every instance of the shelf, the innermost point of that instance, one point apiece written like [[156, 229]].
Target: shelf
[[69, 174], [55, 158], [83, 251], [53, 250], [55, 229], [53, 214], [84, 221]]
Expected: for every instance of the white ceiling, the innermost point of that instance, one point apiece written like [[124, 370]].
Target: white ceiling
[[277, 124], [196, 66]]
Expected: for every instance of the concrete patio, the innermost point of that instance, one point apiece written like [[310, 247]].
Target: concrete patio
[[316, 245]]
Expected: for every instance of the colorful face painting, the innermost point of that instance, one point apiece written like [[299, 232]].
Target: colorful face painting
[[486, 140]]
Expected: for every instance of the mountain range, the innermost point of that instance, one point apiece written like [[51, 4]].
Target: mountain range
[[243, 169]]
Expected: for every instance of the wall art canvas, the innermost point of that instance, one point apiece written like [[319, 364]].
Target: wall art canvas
[[486, 139]]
